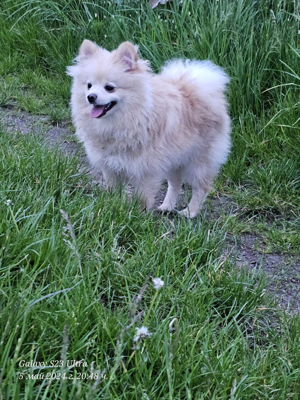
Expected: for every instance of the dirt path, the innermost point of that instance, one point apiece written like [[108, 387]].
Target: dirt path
[[283, 271]]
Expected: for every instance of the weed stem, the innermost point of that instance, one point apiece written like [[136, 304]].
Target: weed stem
[[13, 217]]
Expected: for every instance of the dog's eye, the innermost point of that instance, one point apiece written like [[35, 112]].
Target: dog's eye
[[109, 88], [89, 85]]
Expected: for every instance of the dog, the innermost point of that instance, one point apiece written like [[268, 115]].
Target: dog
[[141, 128]]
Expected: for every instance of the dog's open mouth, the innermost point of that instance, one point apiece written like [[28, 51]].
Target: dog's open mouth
[[100, 110]]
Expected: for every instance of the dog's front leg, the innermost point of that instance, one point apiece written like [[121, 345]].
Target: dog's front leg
[[111, 179], [147, 190]]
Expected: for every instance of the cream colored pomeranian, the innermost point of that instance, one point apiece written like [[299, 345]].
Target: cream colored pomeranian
[[141, 128]]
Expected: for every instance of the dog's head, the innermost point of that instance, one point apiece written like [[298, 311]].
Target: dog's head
[[108, 81]]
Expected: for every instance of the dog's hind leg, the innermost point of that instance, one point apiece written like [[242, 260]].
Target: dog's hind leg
[[198, 197], [201, 180]]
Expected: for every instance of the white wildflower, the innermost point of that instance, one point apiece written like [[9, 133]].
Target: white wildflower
[[157, 283], [273, 18], [8, 202], [145, 396], [155, 3], [96, 15], [141, 333]]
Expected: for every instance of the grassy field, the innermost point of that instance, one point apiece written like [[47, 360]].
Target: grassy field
[[76, 262]]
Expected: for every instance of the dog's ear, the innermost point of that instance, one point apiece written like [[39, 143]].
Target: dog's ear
[[128, 55], [87, 49]]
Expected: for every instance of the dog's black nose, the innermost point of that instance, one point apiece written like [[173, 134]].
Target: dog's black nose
[[92, 98]]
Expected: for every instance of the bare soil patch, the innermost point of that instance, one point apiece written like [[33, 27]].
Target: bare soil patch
[[282, 270]]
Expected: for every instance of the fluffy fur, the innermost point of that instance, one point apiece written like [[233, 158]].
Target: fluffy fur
[[141, 128]]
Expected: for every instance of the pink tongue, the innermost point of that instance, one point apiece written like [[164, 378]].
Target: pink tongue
[[96, 111]]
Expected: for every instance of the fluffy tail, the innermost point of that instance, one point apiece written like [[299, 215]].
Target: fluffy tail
[[209, 76]]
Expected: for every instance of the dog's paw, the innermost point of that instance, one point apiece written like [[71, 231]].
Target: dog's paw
[[162, 208], [187, 213]]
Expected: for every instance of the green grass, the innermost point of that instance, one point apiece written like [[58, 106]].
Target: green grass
[[68, 279], [68, 289]]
